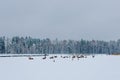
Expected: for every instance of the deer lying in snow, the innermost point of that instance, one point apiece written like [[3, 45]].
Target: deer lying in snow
[[30, 58], [55, 56], [52, 57], [44, 57], [65, 57], [81, 56], [93, 56], [73, 57]]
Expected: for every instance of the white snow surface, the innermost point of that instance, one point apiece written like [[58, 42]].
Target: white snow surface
[[101, 67]]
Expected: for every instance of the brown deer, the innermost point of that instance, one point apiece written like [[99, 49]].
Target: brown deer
[[55, 56], [30, 58], [52, 57], [73, 57], [93, 56], [44, 57], [65, 57]]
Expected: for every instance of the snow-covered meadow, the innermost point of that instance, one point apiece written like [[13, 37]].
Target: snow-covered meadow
[[102, 67]]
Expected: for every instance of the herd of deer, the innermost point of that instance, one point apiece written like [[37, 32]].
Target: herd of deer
[[54, 57]]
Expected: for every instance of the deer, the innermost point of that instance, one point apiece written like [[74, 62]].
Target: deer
[[30, 58], [51, 57], [73, 57], [55, 56], [44, 57], [93, 56]]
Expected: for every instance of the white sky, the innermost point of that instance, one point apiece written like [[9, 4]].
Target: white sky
[[62, 19]]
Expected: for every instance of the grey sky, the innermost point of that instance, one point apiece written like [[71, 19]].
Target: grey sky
[[62, 19]]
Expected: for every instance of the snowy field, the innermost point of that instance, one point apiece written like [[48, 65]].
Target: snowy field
[[101, 67]]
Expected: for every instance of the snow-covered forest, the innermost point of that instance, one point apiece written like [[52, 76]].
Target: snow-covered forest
[[29, 45]]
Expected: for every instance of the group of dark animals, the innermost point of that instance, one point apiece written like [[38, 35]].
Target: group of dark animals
[[54, 57]]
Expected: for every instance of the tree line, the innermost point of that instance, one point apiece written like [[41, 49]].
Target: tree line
[[29, 45]]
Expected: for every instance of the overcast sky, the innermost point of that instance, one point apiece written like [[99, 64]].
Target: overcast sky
[[62, 19]]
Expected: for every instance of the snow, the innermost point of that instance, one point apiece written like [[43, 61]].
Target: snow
[[101, 67]]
